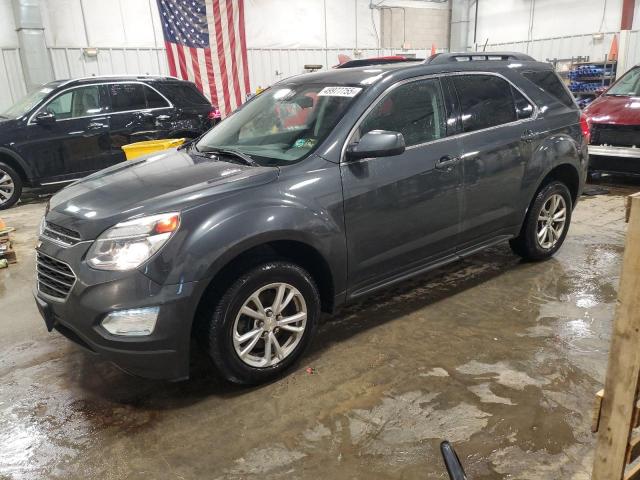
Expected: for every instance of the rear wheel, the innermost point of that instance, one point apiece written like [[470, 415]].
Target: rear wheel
[[10, 186], [546, 224], [263, 323]]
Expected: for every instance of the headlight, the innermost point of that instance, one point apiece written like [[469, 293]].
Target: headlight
[[129, 244], [43, 222]]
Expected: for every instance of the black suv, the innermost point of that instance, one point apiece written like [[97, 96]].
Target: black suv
[[70, 128], [324, 188]]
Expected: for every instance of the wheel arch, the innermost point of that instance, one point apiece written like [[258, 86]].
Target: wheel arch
[[565, 173], [259, 250], [14, 160]]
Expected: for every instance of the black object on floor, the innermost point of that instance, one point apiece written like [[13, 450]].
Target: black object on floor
[[592, 191]]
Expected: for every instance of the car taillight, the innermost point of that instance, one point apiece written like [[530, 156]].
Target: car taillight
[[584, 126], [214, 113]]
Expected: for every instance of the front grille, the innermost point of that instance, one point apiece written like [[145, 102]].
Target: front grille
[[615, 135], [55, 278], [60, 234]]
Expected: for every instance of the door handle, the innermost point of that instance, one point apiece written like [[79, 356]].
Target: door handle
[[162, 118], [96, 126], [528, 136], [447, 162]]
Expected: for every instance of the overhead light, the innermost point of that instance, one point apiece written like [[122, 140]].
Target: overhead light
[[90, 52]]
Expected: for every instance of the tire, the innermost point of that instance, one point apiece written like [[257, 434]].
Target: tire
[[10, 186], [527, 244], [225, 319]]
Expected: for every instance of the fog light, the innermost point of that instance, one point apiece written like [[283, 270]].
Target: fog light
[[136, 322]]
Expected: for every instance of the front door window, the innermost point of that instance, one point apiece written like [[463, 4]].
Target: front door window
[[76, 103], [414, 109]]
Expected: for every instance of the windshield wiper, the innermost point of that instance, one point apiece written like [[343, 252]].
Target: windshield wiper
[[246, 159]]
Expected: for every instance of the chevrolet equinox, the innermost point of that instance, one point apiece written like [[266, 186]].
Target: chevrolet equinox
[[324, 188]]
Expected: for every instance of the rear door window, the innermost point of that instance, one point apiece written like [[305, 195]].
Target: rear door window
[[485, 101], [549, 82], [415, 109], [127, 96]]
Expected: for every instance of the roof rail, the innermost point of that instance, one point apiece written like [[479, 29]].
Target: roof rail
[[131, 76], [441, 58]]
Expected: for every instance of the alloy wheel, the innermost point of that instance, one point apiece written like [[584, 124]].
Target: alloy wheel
[[269, 325], [7, 187], [551, 221]]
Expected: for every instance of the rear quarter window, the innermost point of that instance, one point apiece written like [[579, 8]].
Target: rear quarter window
[[185, 94], [549, 82]]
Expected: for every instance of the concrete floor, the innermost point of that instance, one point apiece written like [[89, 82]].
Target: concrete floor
[[500, 357]]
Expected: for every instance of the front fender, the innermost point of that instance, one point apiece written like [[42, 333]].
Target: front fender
[[212, 235], [258, 227]]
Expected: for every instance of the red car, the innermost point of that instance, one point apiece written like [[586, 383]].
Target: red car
[[614, 119]]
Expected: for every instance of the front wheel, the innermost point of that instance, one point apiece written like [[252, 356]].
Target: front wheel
[[546, 224], [263, 323]]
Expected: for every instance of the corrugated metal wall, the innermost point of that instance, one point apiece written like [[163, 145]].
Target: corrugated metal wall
[[72, 62], [267, 66], [560, 47], [11, 77]]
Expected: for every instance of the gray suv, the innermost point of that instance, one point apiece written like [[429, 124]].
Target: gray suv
[[323, 189]]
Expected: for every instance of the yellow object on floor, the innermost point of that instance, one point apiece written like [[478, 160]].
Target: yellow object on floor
[[135, 150]]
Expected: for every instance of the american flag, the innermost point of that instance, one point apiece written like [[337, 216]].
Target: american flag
[[206, 44]]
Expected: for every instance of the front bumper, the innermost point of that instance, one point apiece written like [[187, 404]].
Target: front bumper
[[164, 354], [610, 159]]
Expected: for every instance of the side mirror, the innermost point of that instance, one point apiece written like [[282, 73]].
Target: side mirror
[[524, 112], [377, 143], [45, 118]]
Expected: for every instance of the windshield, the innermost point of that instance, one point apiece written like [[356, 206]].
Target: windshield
[[628, 85], [25, 104], [283, 124]]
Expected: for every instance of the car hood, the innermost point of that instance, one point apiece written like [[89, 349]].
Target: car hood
[[169, 181], [614, 110]]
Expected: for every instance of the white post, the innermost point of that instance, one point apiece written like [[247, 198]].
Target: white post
[[623, 53], [36, 63]]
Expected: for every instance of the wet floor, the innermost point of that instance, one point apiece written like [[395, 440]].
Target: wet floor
[[500, 357]]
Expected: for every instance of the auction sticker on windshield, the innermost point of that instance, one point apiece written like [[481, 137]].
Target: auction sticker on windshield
[[339, 91]]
